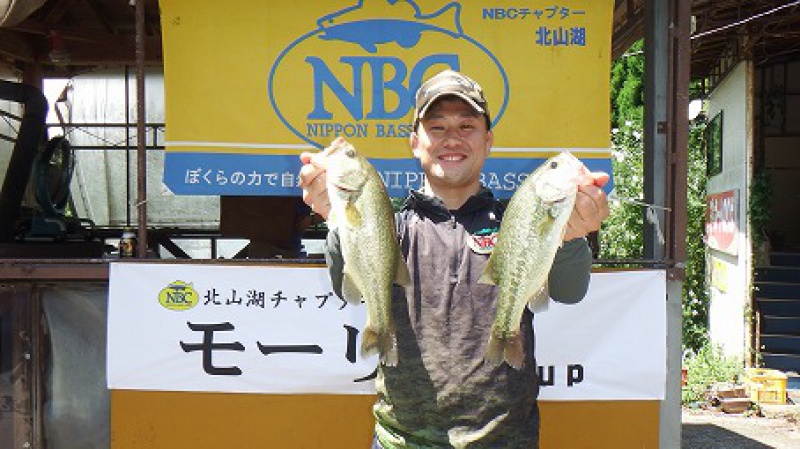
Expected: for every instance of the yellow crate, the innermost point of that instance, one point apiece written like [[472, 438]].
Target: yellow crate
[[765, 386]]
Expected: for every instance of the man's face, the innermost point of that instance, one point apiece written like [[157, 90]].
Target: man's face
[[452, 143]]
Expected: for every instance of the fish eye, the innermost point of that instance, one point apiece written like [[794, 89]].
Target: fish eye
[[350, 152], [554, 164]]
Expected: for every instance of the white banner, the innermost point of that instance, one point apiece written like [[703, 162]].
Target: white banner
[[281, 330], [611, 345]]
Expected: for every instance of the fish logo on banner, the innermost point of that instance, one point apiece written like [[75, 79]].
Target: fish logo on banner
[[178, 296], [362, 65]]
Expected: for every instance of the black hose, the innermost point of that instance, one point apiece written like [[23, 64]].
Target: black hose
[[30, 136]]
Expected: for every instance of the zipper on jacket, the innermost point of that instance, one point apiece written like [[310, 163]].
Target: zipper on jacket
[[455, 250]]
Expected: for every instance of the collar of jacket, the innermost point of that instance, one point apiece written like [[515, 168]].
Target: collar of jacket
[[434, 207]]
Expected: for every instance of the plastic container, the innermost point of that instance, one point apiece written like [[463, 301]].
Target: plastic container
[[127, 244], [765, 386]]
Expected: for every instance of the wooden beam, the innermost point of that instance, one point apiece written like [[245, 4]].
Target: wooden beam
[[58, 11], [118, 51], [15, 47], [65, 270], [67, 33], [101, 16]]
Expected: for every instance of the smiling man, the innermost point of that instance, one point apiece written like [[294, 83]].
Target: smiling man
[[442, 394]]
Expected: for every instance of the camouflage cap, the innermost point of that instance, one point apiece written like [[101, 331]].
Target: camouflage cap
[[450, 82]]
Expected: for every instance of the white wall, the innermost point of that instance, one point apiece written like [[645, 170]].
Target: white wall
[[727, 309]]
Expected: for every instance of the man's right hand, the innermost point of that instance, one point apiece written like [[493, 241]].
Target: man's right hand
[[313, 182]]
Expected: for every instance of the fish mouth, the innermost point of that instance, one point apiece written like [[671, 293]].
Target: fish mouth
[[345, 189], [558, 201], [552, 195], [555, 198]]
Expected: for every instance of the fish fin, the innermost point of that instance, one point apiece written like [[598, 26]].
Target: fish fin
[[494, 354], [352, 215], [546, 223], [383, 344], [557, 208], [514, 353], [350, 290], [509, 349], [540, 302], [369, 47], [369, 341], [488, 276], [333, 219], [401, 275]]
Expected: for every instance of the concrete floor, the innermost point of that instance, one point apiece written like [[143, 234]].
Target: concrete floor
[[707, 429]]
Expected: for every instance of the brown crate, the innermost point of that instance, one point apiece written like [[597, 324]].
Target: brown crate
[[735, 405]]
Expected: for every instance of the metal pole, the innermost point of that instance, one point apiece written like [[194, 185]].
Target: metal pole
[[678, 137], [656, 73], [127, 147], [37, 360], [669, 435], [667, 64], [141, 150]]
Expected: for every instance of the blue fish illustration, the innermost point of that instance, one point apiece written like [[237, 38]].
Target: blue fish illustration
[[403, 25]]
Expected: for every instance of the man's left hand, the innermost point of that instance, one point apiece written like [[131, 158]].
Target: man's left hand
[[591, 207]]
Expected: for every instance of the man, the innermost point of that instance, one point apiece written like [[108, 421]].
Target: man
[[442, 393]]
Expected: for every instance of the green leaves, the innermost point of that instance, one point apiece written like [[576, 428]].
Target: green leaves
[[706, 368], [760, 207], [621, 234]]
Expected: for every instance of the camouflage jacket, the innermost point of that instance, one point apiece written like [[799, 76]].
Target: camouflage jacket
[[441, 393]]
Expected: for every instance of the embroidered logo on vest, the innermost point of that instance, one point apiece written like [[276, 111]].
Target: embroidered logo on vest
[[483, 241]]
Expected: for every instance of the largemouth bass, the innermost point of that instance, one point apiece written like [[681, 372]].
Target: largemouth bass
[[362, 213], [530, 233]]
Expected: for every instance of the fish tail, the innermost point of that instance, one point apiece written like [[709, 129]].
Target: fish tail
[[369, 342], [450, 21], [506, 349], [388, 348], [383, 343]]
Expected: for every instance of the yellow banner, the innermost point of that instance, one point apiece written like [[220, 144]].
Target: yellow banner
[[252, 84]]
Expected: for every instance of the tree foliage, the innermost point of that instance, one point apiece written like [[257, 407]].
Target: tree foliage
[[695, 288], [627, 87], [622, 232]]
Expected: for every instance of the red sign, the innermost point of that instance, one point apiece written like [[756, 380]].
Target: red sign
[[722, 221]]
